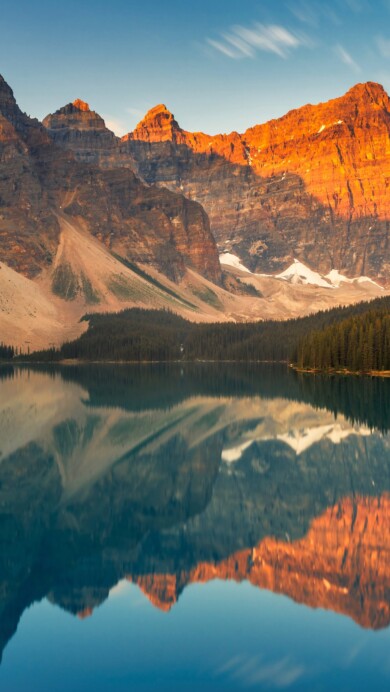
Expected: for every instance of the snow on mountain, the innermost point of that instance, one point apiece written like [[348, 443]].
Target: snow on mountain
[[231, 260], [299, 273], [336, 278], [366, 279]]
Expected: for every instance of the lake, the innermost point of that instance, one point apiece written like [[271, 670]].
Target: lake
[[188, 527]]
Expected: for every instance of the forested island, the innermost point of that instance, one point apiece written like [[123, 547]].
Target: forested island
[[354, 338]]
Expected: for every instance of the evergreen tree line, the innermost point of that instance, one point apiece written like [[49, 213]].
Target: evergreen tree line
[[6, 352], [358, 344], [159, 335]]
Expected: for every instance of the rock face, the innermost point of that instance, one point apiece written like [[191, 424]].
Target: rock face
[[158, 125], [78, 129], [24, 203], [40, 182], [313, 184]]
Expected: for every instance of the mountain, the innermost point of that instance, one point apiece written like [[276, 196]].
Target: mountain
[[41, 185], [85, 229], [299, 274], [312, 185], [77, 128]]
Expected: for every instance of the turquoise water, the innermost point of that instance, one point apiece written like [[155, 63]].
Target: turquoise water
[[193, 527]]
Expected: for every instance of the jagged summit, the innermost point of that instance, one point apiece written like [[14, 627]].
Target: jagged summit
[[5, 88], [158, 113], [76, 107], [81, 105], [373, 90], [8, 106], [158, 125], [76, 115], [160, 108], [311, 184]]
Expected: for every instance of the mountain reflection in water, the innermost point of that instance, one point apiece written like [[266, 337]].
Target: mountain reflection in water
[[169, 475]]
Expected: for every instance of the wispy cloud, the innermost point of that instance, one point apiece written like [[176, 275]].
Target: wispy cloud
[[384, 46], [347, 58], [224, 49], [244, 42], [305, 12]]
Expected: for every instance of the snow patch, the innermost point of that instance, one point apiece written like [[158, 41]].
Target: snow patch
[[231, 260], [299, 273], [336, 278], [366, 280]]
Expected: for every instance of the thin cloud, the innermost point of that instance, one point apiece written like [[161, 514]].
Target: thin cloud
[[244, 42], [305, 12], [222, 48], [347, 58]]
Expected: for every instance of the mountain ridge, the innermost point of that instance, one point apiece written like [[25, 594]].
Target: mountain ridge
[[144, 202], [311, 184], [40, 180]]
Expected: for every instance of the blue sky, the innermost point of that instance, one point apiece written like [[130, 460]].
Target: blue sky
[[218, 65]]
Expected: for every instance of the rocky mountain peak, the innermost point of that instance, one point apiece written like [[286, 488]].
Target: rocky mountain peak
[[81, 105], [74, 116], [14, 123], [5, 89], [158, 125], [8, 107], [371, 92], [331, 157]]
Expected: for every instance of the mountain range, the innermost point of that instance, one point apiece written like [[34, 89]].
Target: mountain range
[[93, 222]]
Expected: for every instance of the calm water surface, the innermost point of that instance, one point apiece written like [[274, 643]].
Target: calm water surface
[[193, 527]]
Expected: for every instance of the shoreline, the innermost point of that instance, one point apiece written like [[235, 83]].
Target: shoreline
[[333, 371], [75, 361], [309, 371]]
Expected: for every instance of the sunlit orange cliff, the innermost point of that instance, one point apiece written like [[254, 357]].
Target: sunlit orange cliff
[[327, 165]]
